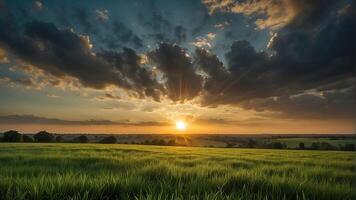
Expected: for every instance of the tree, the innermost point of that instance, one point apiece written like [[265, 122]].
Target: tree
[[315, 145], [301, 145], [27, 138], [59, 138], [278, 145], [348, 147], [171, 142], [229, 145], [82, 139], [109, 140], [43, 136], [12, 136], [251, 143]]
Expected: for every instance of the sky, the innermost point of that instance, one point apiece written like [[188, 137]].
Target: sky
[[139, 66]]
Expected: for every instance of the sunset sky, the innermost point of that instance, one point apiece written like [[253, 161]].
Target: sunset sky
[[140, 66]]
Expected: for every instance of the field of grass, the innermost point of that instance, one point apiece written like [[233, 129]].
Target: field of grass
[[294, 142], [98, 171]]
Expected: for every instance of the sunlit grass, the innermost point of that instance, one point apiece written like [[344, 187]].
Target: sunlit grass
[[96, 171]]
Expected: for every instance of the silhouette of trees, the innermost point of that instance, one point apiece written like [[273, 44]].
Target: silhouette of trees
[[301, 145], [59, 138], [12, 136], [82, 139], [27, 138], [43, 136], [279, 145], [172, 142], [251, 143], [108, 140], [348, 147]]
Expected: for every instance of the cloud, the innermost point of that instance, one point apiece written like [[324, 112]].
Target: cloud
[[272, 14], [38, 5], [128, 63], [122, 36], [181, 80], [102, 14], [339, 104], [63, 53], [204, 42], [305, 56], [26, 82], [32, 119], [3, 56], [257, 121], [84, 19], [180, 33]]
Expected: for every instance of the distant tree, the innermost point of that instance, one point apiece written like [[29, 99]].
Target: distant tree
[[146, 142], [327, 146], [229, 145], [108, 140], [27, 138], [162, 142], [12, 136], [81, 139], [59, 138], [155, 142], [348, 147], [43, 136], [278, 145], [171, 142], [301, 145], [315, 145], [251, 143]]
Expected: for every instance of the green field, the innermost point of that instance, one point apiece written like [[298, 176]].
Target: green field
[[96, 171]]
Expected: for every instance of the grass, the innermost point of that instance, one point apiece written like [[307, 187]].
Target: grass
[[97, 171]]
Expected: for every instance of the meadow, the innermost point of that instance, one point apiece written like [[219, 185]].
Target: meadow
[[119, 171]]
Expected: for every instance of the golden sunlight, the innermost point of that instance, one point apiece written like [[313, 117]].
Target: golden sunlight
[[181, 125]]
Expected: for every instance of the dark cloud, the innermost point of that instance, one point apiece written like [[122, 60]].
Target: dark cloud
[[160, 28], [128, 63], [326, 105], [125, 36], [181, 80], [306, 55], [85, 19], [64, 53], [31, 119], [180, 33], [26, 82]]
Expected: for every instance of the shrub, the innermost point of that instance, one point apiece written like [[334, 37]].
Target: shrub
[[278, 145], [81, 139], [12, 136], [301, 145], [109, 140], [348, 147], [27, 138], [43, 136], [315, 145], [59, 138], [251, 143], [171, 142]]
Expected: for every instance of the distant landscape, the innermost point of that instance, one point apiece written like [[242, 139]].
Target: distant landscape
[[345, 142]]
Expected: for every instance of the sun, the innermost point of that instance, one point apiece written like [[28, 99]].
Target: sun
[[181, 125]]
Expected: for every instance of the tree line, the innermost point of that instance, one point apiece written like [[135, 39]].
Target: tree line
[[253, 143], [44, 136]]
